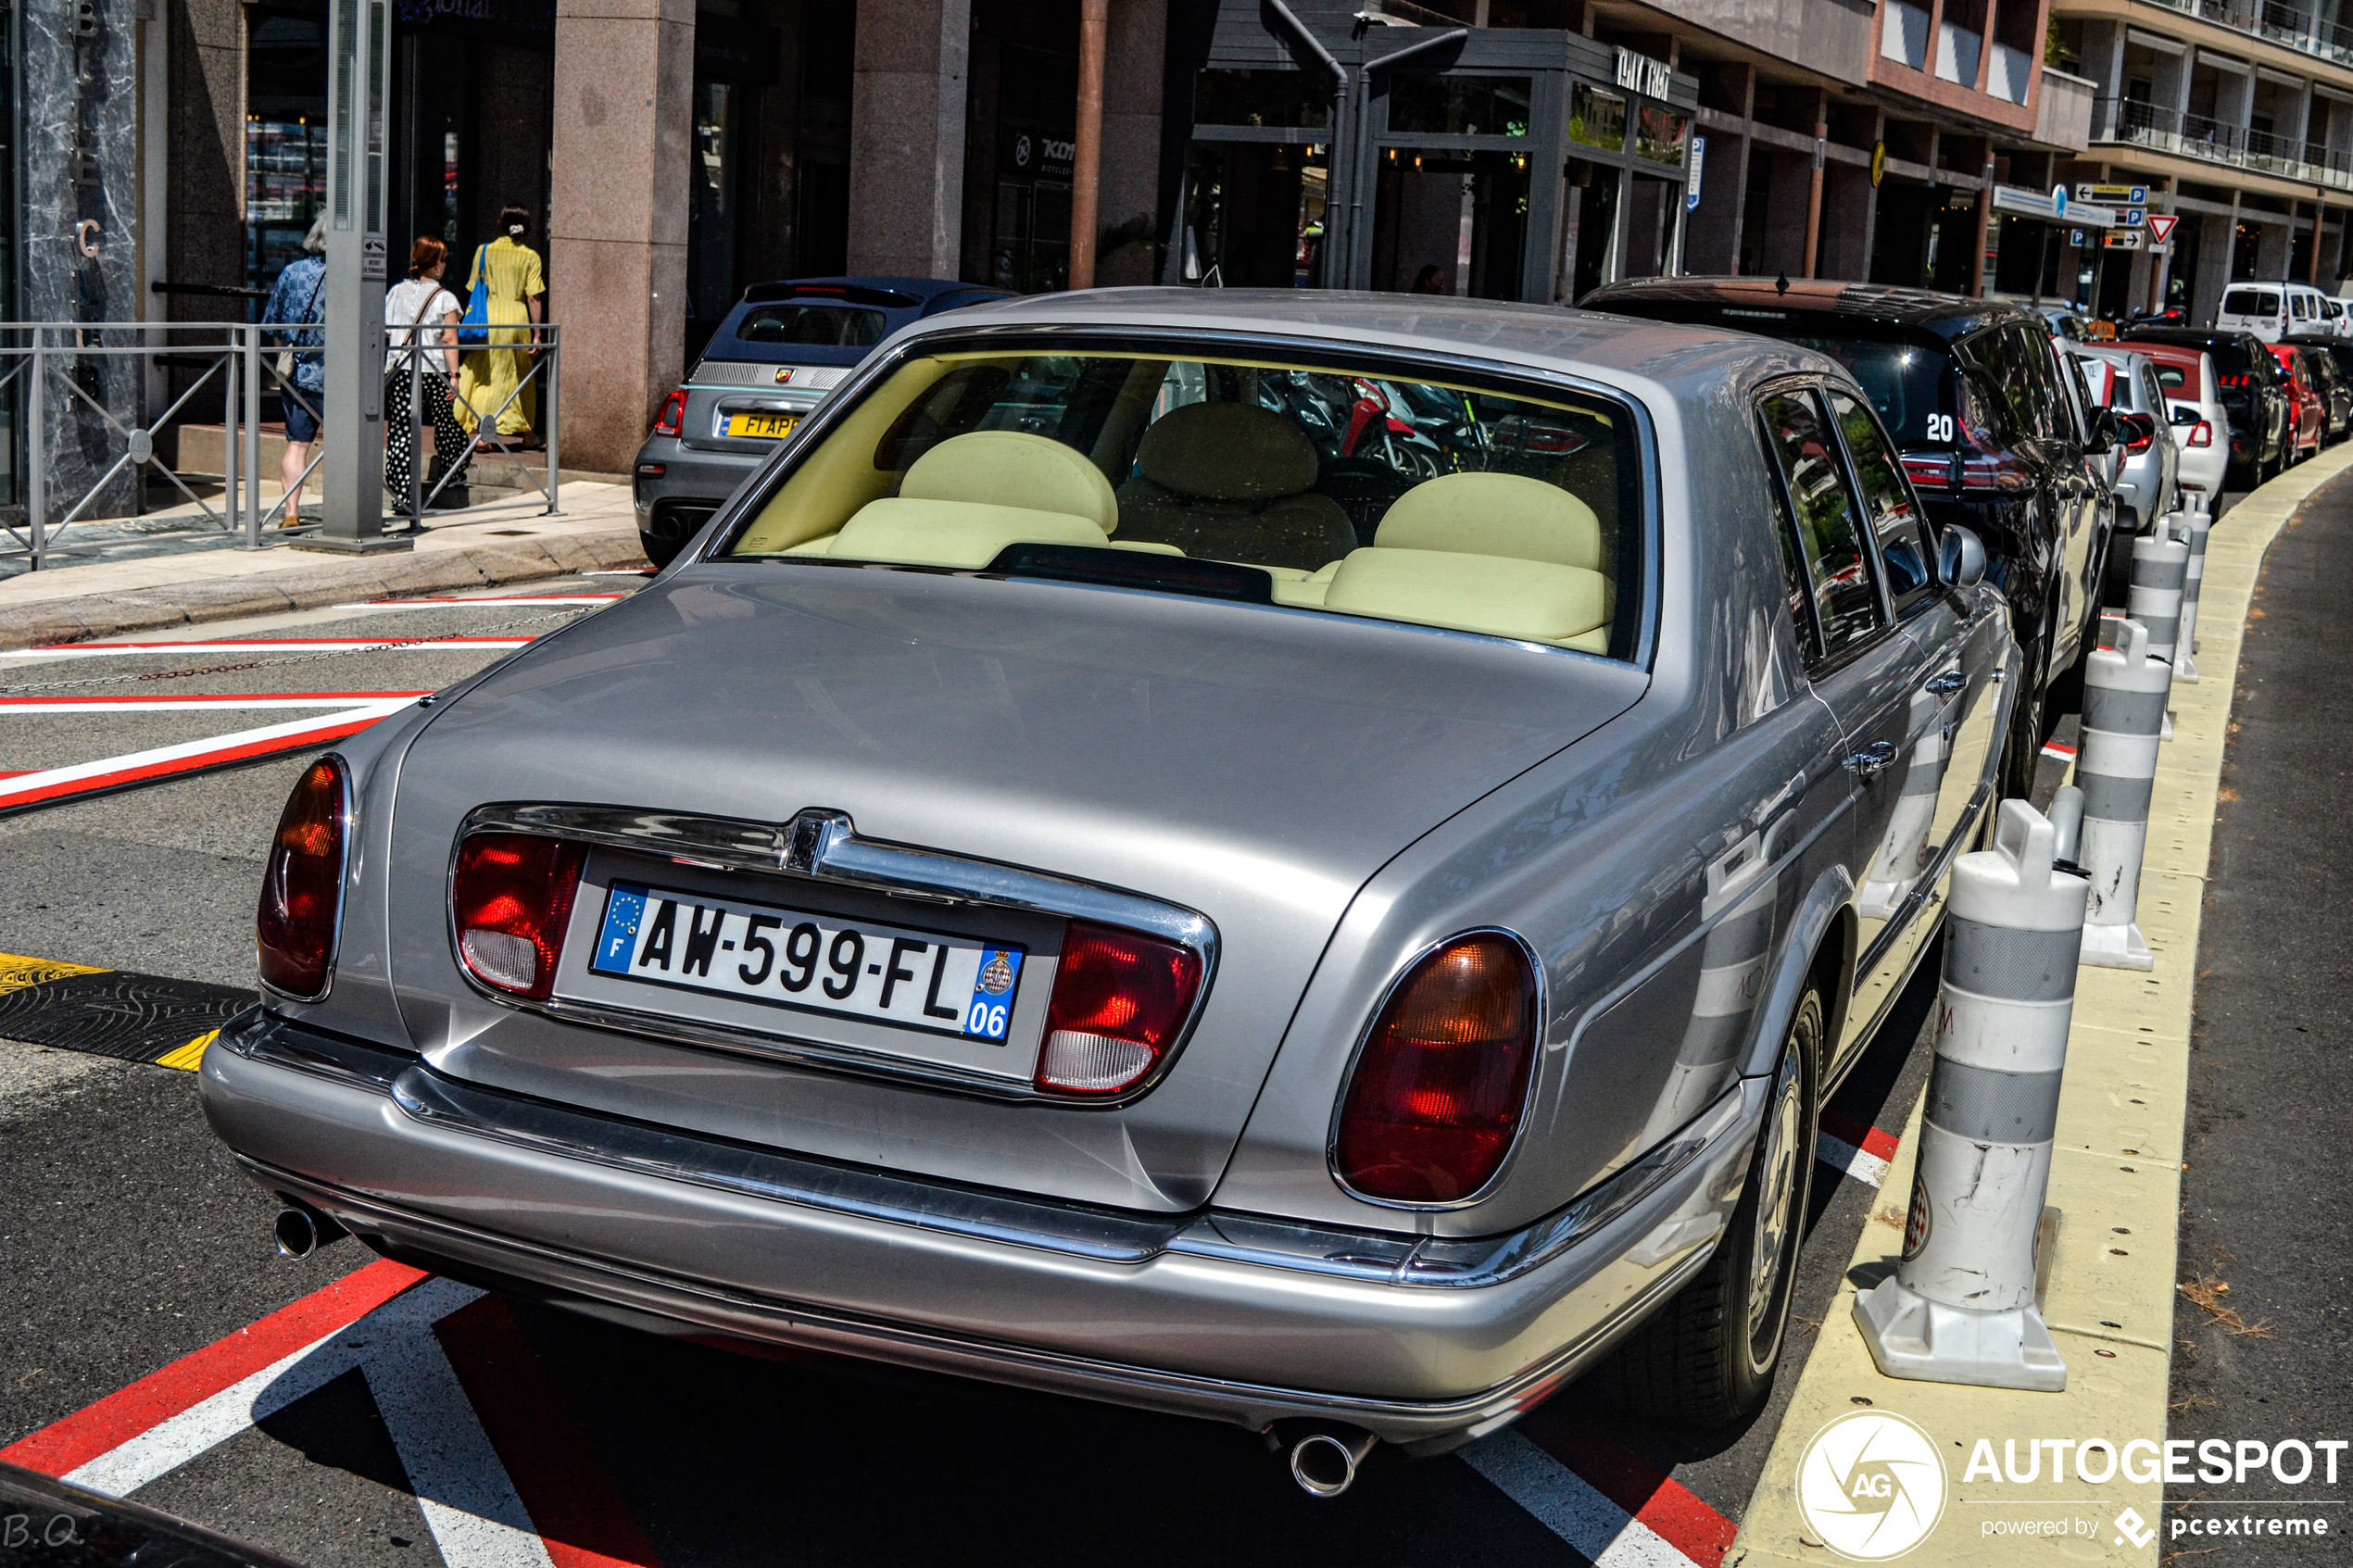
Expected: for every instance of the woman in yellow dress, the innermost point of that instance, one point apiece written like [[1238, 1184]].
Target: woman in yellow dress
[[518, 294]]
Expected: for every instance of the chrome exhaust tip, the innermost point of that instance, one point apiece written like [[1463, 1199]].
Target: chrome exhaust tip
[[300, 1232], [1323, 1463]]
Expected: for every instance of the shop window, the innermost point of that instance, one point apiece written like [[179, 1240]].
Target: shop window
[[1450, 222], [285, 138], [1458, 105], [1661, 135], [1269, 98], [1597, 118]]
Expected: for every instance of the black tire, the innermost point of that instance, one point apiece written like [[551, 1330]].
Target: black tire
[[1706, 1359], [659, 551]]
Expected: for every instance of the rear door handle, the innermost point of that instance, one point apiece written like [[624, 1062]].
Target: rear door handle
[[1868, 761], [1951, 680]]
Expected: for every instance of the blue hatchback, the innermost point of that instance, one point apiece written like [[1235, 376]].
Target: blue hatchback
[[784, 346]]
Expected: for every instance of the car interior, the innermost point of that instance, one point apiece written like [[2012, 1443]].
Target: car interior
[[1448, 507]]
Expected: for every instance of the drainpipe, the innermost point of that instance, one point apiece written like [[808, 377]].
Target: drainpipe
[[1087, 157], [1814, 194], [1338, 180], [1361, 155], [2319, 216]]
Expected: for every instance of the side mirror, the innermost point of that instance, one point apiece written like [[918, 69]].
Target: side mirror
[[1960, 557], [2184, 415], [2139, 430]]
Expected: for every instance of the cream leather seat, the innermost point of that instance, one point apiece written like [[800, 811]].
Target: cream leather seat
[[1481, 552], [1233, 482], [967, 498]]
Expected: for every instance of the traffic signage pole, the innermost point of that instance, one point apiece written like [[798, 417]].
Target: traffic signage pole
[[358, 104]]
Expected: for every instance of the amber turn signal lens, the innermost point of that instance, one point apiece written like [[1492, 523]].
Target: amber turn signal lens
[[302, 885], [1434, 1099]]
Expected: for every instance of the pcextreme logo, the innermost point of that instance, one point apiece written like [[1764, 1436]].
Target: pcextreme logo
[[1871, 1485]]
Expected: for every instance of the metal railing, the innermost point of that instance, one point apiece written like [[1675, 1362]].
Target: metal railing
[[2306, 31], [541, 344], [78, 449], [2201, 136]]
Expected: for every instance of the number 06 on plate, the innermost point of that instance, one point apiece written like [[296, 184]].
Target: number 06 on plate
[[822, 963]]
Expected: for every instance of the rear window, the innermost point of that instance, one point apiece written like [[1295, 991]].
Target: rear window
[[823, 326], [1311, 486], [1908, 384], [2251, 302]]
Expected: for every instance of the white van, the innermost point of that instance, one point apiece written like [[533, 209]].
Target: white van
[[2272, 311]]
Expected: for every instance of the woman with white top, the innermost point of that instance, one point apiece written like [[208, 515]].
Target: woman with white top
[[421, 321]]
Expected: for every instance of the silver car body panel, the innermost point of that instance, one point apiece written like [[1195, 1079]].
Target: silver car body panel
[[1328, 795]]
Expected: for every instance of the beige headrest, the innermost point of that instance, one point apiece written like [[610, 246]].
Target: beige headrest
[[1494, 514], [1227, 452], [1010, 468]]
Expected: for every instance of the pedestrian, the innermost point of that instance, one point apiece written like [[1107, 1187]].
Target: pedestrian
[[420, 317], [1429, 280], [297, 306], [490, 382]]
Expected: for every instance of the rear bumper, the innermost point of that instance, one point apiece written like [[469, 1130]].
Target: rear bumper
[[1213, 1314], [689, 478]]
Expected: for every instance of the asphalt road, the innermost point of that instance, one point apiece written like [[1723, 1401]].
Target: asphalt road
[[2264, 1206], [128, 1239]]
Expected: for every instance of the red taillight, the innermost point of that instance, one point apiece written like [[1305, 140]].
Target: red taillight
[[1437, 1093], [1119, 999], [2203, 435], [672, 420], [1937, 471], [302, 885], [512, 898]]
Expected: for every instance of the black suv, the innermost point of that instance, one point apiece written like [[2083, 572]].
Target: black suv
[[1994, 431], [2253, 392]]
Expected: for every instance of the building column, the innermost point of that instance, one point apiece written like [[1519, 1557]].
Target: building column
[[1712, 233], [617, 237], [2215, 239], [907, 137], [1130, 202]]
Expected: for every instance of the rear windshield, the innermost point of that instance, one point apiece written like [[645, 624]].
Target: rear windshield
[[1908, 384], [1447, 504], [823, 326], [2251, 302]]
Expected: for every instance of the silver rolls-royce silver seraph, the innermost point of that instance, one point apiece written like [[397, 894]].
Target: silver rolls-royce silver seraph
[[1298, 858]]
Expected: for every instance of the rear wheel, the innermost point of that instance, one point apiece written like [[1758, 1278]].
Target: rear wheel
[[1707, 1358]]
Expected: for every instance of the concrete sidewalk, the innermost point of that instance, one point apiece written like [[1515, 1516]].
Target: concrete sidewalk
[[197, 579]]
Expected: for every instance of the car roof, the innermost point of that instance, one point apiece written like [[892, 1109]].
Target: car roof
[[1689, 361], [917, 291], [1947, 316]]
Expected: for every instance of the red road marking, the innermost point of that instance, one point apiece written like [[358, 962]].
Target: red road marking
[[1672, 1511], [1872, 1141], [565, 1491], [164, 704], [65, 1446]]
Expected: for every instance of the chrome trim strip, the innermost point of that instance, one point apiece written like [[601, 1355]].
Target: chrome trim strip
[[824, 845], [431, 1239], [1043, 1224]]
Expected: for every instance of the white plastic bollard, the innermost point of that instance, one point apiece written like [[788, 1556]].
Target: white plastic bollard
[[1961, 1307], [2160, 563], [2124, 693], [2199, 522]]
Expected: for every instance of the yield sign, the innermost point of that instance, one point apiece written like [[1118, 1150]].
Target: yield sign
[[2161, 227]]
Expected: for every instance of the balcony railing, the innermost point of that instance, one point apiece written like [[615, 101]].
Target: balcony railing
[[2195, 135], [2306, 31]]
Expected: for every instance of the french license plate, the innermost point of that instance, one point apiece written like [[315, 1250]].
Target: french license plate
[[762, 427], [916, 979]]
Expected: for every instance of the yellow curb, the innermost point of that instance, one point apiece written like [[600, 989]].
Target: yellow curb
[[2116, 1176]]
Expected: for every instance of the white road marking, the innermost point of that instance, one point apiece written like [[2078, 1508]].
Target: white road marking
[[128, 768], [264, 645], [205, 1425], [1861, 1164], [470, 1502], [1570, 1506]]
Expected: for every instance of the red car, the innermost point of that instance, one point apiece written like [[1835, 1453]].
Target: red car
[[2307, 414]]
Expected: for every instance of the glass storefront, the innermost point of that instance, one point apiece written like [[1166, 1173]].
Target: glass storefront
[[1374, 159]]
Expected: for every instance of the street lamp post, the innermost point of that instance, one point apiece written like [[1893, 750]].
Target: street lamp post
[[358, 94]]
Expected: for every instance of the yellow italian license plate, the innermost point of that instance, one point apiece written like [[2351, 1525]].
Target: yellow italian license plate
[[762, 427]]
